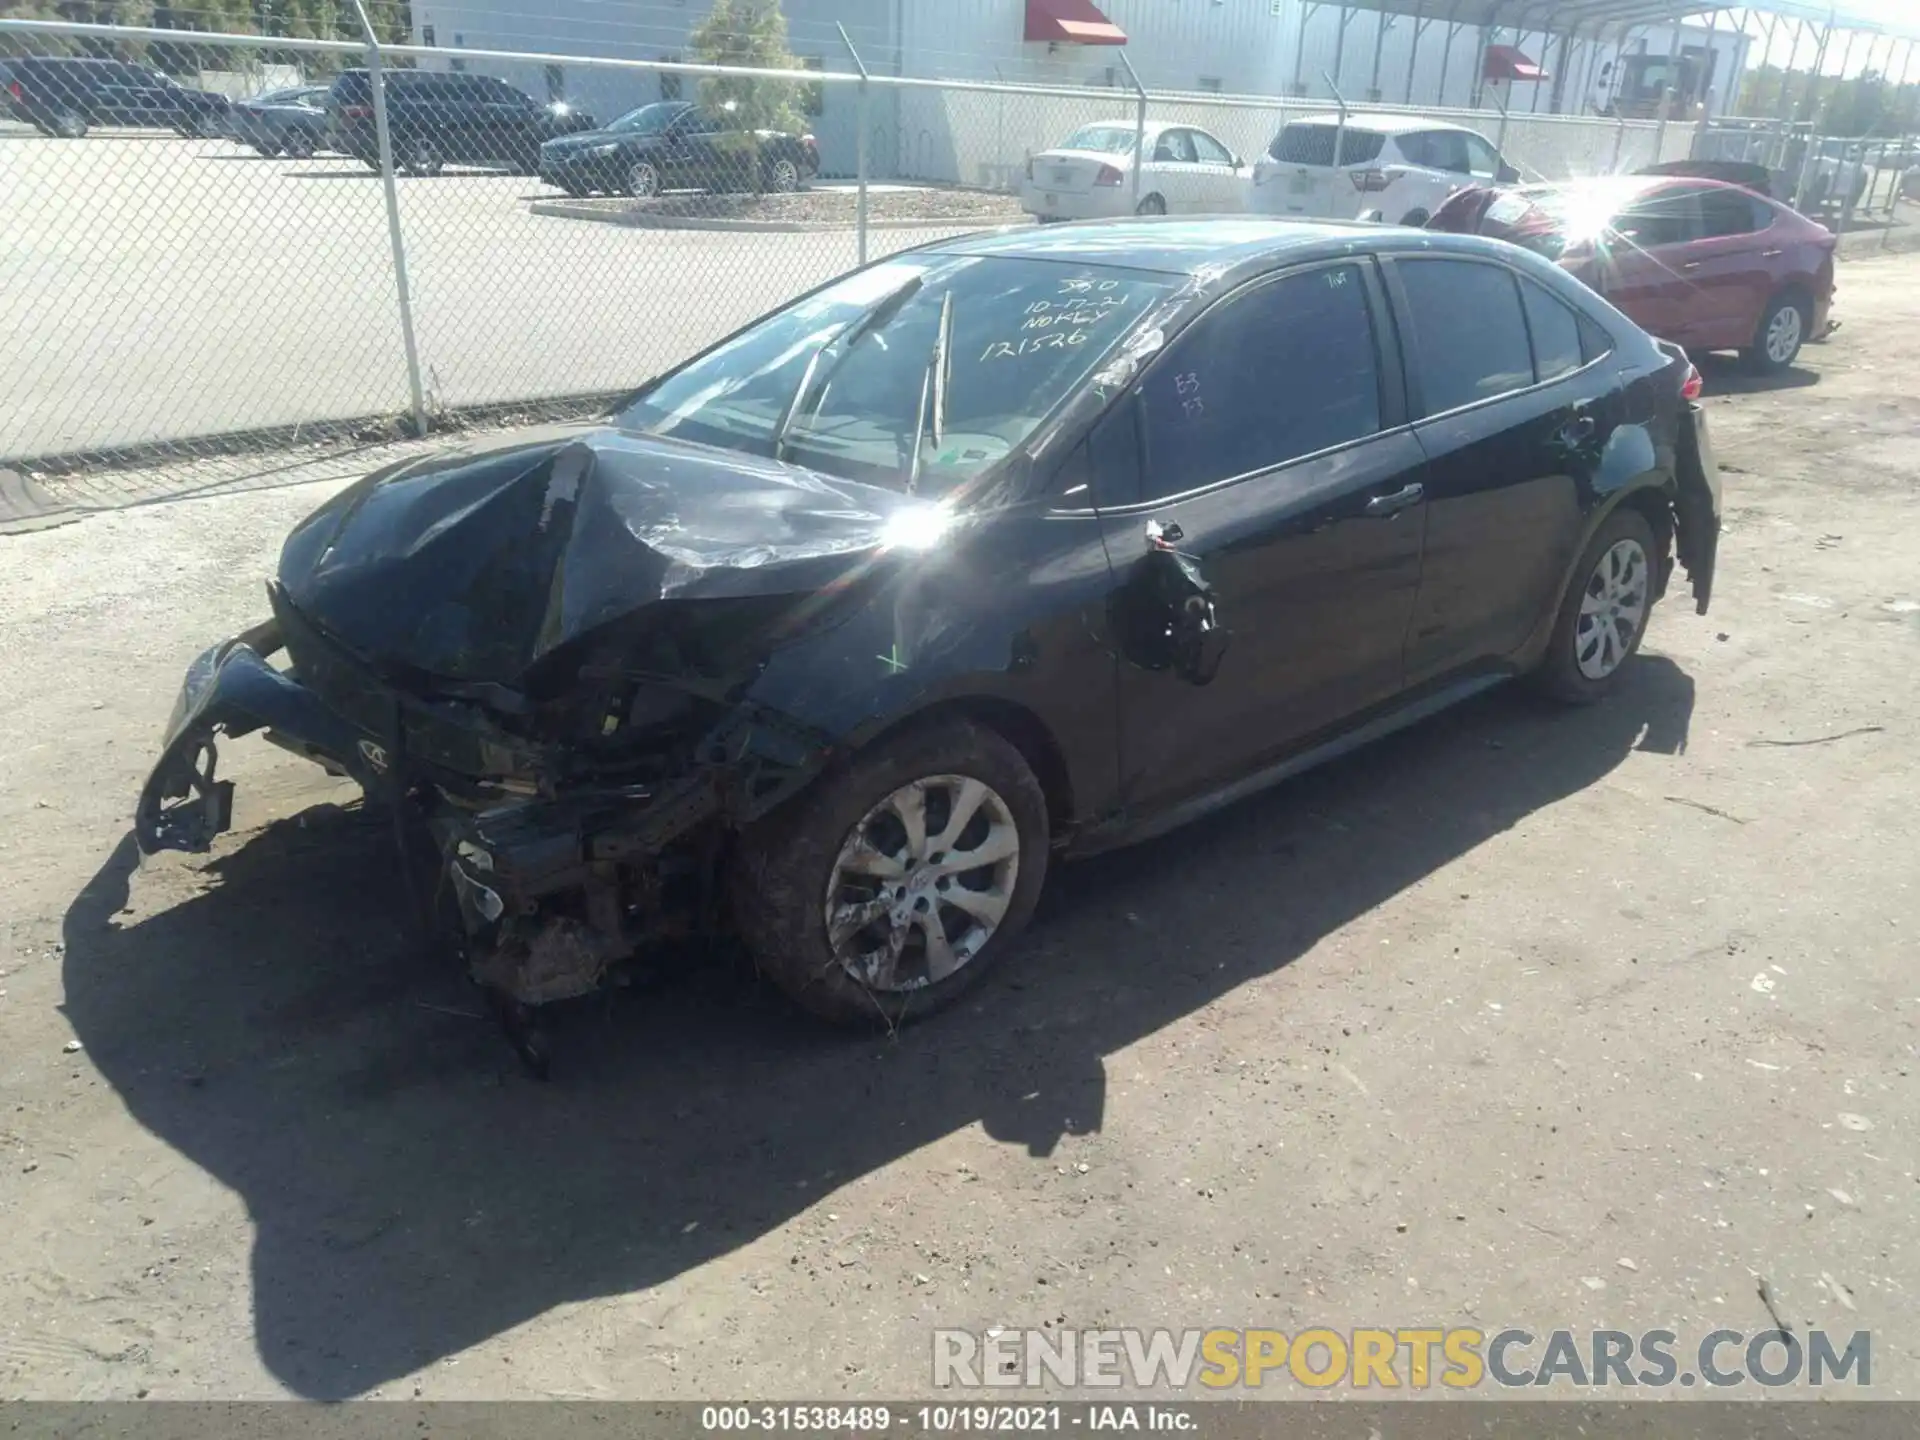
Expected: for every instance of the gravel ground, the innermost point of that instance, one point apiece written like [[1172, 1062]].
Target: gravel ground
[[1520, 1018], [826, 207]]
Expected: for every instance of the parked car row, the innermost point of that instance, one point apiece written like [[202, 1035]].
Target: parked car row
[[1389, 167], [1701, 261], [434, 119]]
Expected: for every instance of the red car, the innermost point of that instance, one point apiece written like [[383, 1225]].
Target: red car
[[1707, 265]]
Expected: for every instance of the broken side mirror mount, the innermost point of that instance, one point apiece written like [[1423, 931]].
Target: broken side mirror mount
[[1165, 615]]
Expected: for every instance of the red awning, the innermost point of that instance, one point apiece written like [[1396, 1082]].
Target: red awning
[[1507, 62], [1077, 22]]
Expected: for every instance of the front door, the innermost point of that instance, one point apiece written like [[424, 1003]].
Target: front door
[[1640, 263], [1513, 414], [1260, 497], [1219, 177]]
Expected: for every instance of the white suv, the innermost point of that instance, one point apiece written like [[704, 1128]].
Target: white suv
[[1396, 168]]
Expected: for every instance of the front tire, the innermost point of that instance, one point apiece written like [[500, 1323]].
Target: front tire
[[1778, 341], [423, 158], [887, 890], [298, 146], [1152, 205], [782, 177], [67, 125], [1416, 218], [1604, 614]]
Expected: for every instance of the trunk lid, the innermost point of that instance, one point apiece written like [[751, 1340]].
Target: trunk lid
[[1073, 172]]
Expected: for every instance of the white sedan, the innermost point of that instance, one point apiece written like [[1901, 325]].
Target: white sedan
[[1089, 176]]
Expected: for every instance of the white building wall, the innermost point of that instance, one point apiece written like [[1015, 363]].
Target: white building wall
[[1241, 47]]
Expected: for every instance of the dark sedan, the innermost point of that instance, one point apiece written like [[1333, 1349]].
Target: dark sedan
[[1005, 550], [676, 145], [293, 121]]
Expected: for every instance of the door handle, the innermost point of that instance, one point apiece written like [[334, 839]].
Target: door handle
[[1771, 254], [1396, 502], [1692, 265]]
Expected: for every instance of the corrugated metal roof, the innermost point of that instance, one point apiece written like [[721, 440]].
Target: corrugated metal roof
[[1585, 15]]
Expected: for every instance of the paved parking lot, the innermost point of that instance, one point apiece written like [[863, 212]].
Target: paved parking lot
[[1521, 1018], [156, 288]]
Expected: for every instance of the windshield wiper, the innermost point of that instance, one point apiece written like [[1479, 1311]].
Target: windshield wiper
[[933, 392], [843, 340]]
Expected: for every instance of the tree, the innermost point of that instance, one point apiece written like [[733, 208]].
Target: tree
[[751, 34]]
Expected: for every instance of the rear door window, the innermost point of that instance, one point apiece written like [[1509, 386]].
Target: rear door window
[[1284, 369], [1176, 146], [1469, 332]]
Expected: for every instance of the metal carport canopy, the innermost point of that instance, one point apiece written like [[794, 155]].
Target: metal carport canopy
[[1570, 16]]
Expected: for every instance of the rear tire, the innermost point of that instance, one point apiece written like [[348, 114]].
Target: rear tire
[[1604, 614], [66, 125], [1152, 205], [299, 147], [1416, 218], [793, 865], [1781, 335], [423, 158]]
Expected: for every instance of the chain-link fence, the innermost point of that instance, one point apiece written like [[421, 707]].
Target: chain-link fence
[[235, 246]]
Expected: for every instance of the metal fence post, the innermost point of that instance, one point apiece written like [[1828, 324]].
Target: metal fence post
[[1619, 143], [1500, 140], [1660, 130], [1339, 129], [1139, 127], [407, 339], [861, 144]]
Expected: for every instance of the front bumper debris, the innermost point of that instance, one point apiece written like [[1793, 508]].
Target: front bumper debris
[[231, 690]]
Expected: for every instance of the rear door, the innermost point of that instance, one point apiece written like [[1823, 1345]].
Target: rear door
[[509, 124], [1263, 470], [1511, 439]]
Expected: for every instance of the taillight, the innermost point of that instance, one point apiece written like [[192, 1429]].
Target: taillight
[[13, 89], [357, 112], [1691, 387], [1365, 180], [1108, 175]]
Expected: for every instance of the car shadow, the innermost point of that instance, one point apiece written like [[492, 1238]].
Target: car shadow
[[1725, 375], [413, 1194]]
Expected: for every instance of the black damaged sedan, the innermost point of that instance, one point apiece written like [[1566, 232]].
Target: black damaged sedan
[[1001, 551]]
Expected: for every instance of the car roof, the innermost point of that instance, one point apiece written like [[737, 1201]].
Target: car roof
[[1206, 249], [1380, 124]]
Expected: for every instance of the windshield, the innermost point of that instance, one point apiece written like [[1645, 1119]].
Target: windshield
[[1102, 139], [650, 119], [967, 353]]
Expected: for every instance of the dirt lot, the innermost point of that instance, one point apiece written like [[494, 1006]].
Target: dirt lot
[[1520, 1018]]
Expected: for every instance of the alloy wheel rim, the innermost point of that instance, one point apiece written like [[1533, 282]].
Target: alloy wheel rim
[[786, 176], [425, 157], [1612, 610], [1783, 335], [922, 883], [644, 179]]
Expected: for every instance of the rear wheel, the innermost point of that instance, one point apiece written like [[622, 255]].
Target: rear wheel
[[643, 180], [1152, 205], [885, 892], [67, 124], [782, 177], [1416, 217], [423, 157], [1783, 330], [1604, 613], [298, 146]]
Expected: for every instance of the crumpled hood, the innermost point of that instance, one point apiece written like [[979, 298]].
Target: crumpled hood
[[474, 564]]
